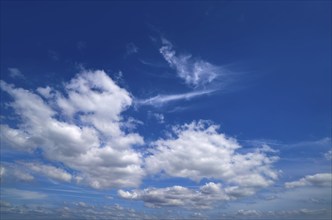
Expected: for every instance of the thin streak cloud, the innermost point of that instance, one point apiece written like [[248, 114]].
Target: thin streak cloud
[[160, 100]]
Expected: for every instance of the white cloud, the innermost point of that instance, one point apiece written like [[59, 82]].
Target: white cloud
[[131, 48], [195, 72], [15, 73], [12, 172], [49, 171], [21, 175], [198, 151], [2, 171], [282, 214], [89, 134], [160, 100], [159, 117], [75, 210], [15, 138], [328, 155], [178, 196], [45, 92], [319, 180], [22, 194], [251, 212]]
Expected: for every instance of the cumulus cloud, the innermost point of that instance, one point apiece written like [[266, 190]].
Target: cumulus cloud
[[178, 196], [81, 127], [50, 171], [318, 180], [198, 151], [12, 172], [15, 73], [159, 117], [195, 72]]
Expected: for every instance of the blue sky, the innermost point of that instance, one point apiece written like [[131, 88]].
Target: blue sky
[[149, 110]]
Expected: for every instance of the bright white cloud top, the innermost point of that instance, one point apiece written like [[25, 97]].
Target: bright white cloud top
[[91, 136], [198, 151]]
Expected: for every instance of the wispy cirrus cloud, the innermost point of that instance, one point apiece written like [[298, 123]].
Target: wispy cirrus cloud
[[194, 71], [160, 100], [199, 75], [131, 48], [15, 73]]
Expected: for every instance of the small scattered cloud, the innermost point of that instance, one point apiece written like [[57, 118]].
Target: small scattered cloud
[[328, 155], [318, 180], [46, 92], [159, 117], [15, 73], [53, 55], [81, 45], [131, 49], [2, 171]]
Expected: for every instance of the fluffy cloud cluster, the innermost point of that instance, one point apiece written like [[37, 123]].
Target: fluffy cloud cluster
[[194, 72], [80, 127], [178, 196], [198, 151], [319, 180]]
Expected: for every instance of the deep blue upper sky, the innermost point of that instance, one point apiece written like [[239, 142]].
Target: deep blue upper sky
[[275, 85]]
